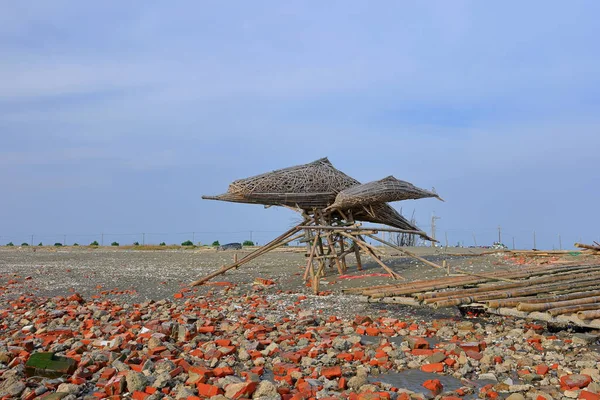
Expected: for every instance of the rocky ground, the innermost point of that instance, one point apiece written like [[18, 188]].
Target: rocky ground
[[140, 338]]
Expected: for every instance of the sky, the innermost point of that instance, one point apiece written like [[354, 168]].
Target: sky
[[116, 116]]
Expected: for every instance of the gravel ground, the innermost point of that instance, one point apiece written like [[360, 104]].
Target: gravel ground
[[141, 275], [136, 330]]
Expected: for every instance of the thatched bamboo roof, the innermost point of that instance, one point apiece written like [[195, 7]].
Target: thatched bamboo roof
[[304, 186], [386, 190], [319, 185]]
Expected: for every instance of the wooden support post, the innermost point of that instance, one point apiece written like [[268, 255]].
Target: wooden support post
[[357, 254], [343, 254], [370, 252], [309, 265], [333, 251]]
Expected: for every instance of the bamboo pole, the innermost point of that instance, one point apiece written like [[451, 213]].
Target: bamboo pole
[[460, 271], [333, 251], [352, 228], [431, 297], [523, 272], [529, 307], [408, 253], [368, 250], [589, 314], [513, 302], [309, 265], [587, 246], [573, 309], [357, 255], [504, 294], [437, 284], [278, 241]]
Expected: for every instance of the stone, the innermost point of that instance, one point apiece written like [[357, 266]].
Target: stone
[[154, 342], [584, 338], [5, 357], [184, 392], [239, 390], [516, 396], [12, 388], [436, 358], [266, 390], [464, 326], [357, 381], [136, 381], [488, 376], [68, 388], [575, 381], [47, 364]]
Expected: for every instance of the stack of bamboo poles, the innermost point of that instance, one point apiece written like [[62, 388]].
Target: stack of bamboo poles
[[544, 291]]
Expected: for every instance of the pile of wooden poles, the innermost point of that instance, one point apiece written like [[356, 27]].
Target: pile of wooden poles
[[568, 292]]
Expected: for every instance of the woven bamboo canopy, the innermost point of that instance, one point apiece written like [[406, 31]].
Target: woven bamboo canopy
[[319, 185], [332, 204]]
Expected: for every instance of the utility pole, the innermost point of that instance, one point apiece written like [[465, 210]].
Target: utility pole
[[251, 236], [499, 234], [474, 239], [102, 240], [534, 244], [559, 242], [143, 239], [32, 240], [446, 236], [513, 242], [64, 240], [193, 237], [433, 218]]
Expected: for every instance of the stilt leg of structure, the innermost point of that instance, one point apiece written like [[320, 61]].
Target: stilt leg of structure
[[357, 254], [370, 252], [343, 254]]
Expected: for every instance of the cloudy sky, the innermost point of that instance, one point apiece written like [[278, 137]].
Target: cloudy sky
[[117, 116]]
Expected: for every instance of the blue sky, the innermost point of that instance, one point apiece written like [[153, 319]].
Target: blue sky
[[117, 116]]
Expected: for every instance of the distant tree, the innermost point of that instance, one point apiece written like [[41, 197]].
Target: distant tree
[[40, 244], [94, 243], [58, 244], [115, 244], [75, 244], [136, 243], [162, 244], [216, 243], [10, 244], [187, 243], [248, 243], [24, 244]]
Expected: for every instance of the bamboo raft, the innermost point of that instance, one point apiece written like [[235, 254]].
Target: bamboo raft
[[561, 294]]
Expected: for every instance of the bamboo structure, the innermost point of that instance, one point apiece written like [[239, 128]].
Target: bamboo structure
[[333, 205]]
